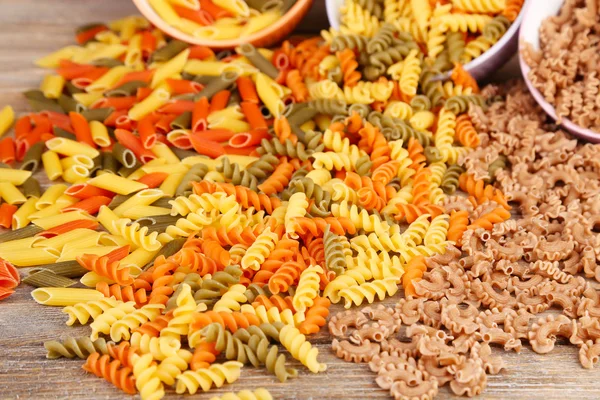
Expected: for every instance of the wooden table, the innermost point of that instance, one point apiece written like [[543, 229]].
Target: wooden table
[[32, 28]]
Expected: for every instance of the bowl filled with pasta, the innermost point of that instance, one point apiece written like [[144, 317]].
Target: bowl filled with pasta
[[560, 64], [225, 24], [479, 34]]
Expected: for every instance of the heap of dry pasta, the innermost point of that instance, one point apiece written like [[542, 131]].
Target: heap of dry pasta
[[565, 68], [219, 203], [527, 280]]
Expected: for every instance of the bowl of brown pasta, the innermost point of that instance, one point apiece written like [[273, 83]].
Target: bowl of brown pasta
[[481, 35], [225, 24], [559, 60]]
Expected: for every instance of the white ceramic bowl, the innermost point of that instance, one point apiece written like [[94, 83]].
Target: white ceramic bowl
[[481, 67], [536, 12]]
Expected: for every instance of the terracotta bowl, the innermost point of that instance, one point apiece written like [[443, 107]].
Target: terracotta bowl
[[481, 67], [266, 37], [536, 12]]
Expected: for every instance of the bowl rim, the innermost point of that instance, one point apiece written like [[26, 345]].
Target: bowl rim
[[148, 12], [473, 64], [539, 98]]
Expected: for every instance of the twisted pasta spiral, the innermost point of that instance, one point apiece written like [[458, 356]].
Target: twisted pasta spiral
[[261, 248], [137, 235], [295, 342], [361, 219], [379, 287], [103, 323], [480, 6], [146, 381], [182, 315], [158, 348], [269, 356], [205, 378], [258, 394], [464, 22], [104, 267], [183, 205], [82, 312], [121, 329], [308, 288], [80, 347], [230, 301], [173, 366], [436, 233], [287, 148], [102, 367]]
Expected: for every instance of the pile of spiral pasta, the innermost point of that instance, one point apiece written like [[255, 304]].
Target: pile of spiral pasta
[[220, 203], [565, 68]]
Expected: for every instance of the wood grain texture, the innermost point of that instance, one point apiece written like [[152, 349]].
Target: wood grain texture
[[32, 28]]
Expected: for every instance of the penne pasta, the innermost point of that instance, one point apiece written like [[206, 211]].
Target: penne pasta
[[141, 211], [29, 257], [151, 103], [70, 254], [11, 194], [116, 184], [52, 165], [52, 86], [55, 220], [14, 176], [142, 198], [20, 219], [69, 147], [169, 69], [65, 296]]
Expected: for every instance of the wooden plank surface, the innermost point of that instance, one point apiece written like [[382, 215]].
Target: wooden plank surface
[[32, 28]]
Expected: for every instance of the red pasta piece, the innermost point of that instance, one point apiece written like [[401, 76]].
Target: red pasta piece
[[163, 125], [118, 254], [146, 131], [5, 292], [82, 129], [251, 138], [69, 226], [413, 272], [148, 43], [199, 115], [91, 205], [58, 120], [9, 276], [232, 321], [123, 294], [142, 76], [253, 115], [219, 100], [247, 89], [181, 86], [89, 34], [111, 371], [123, 352], [153, 328], [204, 355], [216, 252], [118, 103], [7, 150], [71, 70], [6, 214], [154, 179], [316, 316], [142, 93], [240, 151], [206, 147], [199, 16], [132, 142], [217, 135], [103, 266], [22, 126], [177, 107], [201, 52]]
